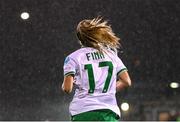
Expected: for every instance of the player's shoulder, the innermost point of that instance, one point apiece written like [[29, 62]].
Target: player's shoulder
[[71, 56]]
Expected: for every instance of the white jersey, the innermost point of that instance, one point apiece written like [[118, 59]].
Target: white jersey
[[95, 76]]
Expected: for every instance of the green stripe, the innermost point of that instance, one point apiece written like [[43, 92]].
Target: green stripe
[[69, 73], [122, 70]]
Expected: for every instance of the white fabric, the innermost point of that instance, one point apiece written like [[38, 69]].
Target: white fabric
[[84, 101]]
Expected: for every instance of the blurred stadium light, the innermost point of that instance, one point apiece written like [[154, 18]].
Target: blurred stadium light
[[125, 106], [174, 85], [24, 15]]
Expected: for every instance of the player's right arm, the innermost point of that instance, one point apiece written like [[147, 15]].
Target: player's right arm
[[122, 76], [123, 81]]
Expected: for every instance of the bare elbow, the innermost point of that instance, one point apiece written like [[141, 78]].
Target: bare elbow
[[125, 78], [67, 84], [66, 89], [128, 81]]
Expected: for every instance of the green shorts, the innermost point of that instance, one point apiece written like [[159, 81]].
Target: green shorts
[[96, 115]]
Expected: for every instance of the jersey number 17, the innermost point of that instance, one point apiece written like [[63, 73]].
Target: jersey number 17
[[90, 72]]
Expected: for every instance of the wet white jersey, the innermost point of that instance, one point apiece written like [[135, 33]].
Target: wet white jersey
[[95, 75]]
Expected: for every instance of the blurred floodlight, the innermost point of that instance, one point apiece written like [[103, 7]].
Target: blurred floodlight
[[125, 106], [174, 85], [24, 15]]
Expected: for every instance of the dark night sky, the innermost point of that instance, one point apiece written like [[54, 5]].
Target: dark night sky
[[32, 51]]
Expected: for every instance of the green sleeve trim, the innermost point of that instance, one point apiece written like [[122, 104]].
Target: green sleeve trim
[[122, 70], [69, 73]]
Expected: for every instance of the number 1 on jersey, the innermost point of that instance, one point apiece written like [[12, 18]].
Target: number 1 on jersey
[[90, 77], [89, 69]]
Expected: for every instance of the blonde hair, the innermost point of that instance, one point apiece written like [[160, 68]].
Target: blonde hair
[[96, 33]]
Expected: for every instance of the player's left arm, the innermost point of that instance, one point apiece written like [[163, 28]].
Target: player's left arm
[[69, 73], [68, 83]]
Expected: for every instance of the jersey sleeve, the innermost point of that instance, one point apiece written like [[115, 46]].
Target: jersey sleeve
[[120, 66], [69, 66]]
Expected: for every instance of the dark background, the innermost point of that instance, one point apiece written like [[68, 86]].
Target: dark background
[[32, 53]]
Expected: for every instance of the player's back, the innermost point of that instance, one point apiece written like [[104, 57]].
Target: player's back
[[95, 79]]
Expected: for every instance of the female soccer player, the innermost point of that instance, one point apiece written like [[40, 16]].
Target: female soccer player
[[96, 71]]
